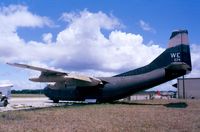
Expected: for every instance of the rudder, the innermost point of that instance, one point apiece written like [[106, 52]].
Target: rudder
[[178, 48]]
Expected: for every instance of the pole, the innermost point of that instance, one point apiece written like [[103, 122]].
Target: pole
[[184, 87], [183, 75]]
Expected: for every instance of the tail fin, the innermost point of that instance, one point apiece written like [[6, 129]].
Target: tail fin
[[175, 57], [179, 50]]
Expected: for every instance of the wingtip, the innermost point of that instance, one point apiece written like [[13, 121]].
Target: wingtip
[[8, 63], [16, 64], [12, 64]]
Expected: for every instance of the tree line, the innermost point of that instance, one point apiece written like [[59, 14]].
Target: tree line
[[27, 91]]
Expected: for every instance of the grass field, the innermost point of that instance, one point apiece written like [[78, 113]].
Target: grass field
[[140, 116]]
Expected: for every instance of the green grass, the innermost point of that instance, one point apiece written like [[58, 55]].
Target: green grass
[[153, 116]]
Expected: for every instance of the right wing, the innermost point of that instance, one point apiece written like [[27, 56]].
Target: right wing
[[48, 75]]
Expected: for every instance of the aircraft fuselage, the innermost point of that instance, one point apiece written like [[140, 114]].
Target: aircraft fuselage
[[115, 87]]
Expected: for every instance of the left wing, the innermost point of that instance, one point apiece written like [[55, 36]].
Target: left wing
[[48, 75]]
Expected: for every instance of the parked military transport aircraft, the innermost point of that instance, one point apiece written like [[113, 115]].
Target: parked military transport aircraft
[[174, 62]]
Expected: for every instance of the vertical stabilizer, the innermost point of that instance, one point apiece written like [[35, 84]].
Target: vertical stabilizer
[[176, 56], [179, 47]]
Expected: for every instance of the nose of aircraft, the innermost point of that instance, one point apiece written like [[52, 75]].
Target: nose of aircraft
[[46, 91]]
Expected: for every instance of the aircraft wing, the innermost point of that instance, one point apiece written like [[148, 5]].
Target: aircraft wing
[[44, 71], [48, 75]]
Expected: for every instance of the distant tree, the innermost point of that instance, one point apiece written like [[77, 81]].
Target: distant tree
[[27, 91]]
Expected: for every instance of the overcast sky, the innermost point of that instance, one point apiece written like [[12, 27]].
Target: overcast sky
[[97, 38]]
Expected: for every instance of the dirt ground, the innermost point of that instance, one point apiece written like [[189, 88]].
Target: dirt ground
[[138, 116]]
